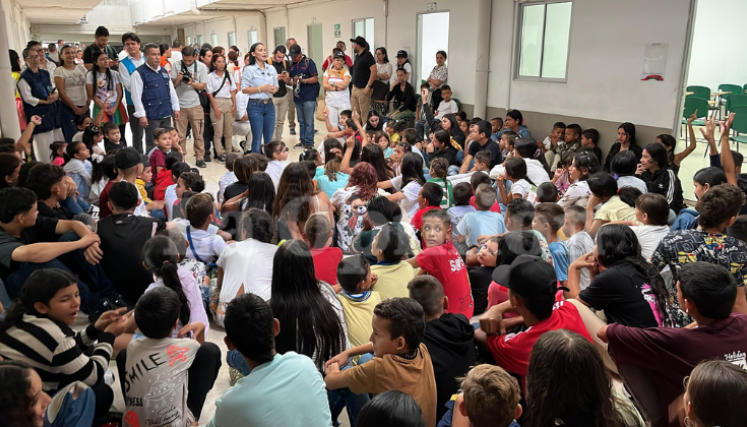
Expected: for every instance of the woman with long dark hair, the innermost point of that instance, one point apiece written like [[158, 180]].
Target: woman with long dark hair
[[625, 141], [260, 82], [537, 168], [582, 167], [385, 76], [222, 95], [347, 201], [654, 170], [260, 193], [70, 80], [105, 89], [310, 315], [296, 201], [629, 289], [585, 401]]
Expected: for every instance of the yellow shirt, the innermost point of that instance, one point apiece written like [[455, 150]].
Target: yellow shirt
[[393, 279], [140, 184], [615, 210], [358, 313], [394, 137]]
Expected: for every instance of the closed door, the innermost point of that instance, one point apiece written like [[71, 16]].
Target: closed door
[[316, 47]]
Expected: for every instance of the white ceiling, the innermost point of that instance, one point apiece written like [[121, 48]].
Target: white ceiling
[[56, 11]]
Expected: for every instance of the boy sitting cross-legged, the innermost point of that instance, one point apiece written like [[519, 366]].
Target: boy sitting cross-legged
[[402, 362], [261, 398]]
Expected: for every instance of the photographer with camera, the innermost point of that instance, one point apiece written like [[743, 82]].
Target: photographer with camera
[[305, 80], [190, 80], [153, 94]]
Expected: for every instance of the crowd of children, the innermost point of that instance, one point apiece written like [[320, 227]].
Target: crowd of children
[[459, 273]]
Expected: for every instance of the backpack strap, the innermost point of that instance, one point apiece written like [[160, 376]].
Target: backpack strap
[[192, 248]]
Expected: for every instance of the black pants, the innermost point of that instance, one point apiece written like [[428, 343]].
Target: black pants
[[202, 375], [104, 399]]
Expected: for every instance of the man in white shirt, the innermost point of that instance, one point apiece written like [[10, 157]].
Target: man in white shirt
[[133, 59], [176, 51], [241, 124], [153, 94], [188, 77]]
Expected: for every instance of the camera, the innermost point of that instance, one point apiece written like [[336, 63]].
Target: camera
[[186, 75]]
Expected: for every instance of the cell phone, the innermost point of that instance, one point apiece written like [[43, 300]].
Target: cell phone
[[54, 89]]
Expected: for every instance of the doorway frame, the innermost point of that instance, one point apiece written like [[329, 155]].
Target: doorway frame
[[415, 60]]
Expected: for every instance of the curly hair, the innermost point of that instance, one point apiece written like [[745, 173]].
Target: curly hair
[[364, 177]]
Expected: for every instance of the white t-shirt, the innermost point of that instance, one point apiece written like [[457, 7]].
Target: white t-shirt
[[75, 84], [631, 181], [275, 169], [456, 213], [447, 108], [577, 194], [340, 98], [410, 203], [169, 199], [158, 391], [536, 172], [389, 69], [649, 237], [350, 223], [248, 263], [526, 190], [102, 90], [207, 244], [215, 81], [579, 245]]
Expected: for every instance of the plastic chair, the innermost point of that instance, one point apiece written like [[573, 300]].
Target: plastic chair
[[691, 105], [745, 87], [734, 89], [739, 125], [699, 91], [736, 101]]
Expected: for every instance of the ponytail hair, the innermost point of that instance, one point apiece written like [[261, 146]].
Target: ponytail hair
[[516, 169], [271, 147], [53, 147], [162, 258], [629, 195], [41, 286], [309, 154]]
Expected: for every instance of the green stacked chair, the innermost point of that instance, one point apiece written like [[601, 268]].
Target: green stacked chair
[[699, 91], [734, 89], [739, 125]]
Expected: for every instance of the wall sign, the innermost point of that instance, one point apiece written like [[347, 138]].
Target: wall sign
[[431, 7]]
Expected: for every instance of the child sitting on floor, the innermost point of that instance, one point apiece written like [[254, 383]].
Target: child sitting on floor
[[390, 245], [164, 178], [401, 361], [318, 234], [548, 219], [429, 198], [174, 389], [441, 260], [357, 298]]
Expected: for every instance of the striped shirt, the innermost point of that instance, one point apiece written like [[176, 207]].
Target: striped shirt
[[56, 352]]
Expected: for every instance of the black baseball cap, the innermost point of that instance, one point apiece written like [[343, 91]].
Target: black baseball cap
[[401, 54], [360, 41], [339, 55], [127, 158], [528, 276], [294, 50]]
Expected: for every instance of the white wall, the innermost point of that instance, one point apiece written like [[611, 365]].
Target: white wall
[[222, 26], [717, 54], [607, 45], [17, 26]]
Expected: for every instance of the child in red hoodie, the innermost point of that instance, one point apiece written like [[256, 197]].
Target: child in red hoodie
[[164, 178]]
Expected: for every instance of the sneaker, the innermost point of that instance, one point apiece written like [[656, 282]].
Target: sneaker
[[207, 157], [108, 378], [292, 131], [221, 158], [299, 145], [201, 164]]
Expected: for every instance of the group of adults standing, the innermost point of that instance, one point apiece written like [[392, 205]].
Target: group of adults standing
[[204, 91]]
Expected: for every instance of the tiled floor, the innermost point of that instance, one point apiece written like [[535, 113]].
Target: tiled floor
[[215, 170], [212, 175]]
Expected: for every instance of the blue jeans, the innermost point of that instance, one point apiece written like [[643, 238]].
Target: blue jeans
[[305, 114], [75, 204], [67, 121], [343, 397], [158, 214], [262, 121]]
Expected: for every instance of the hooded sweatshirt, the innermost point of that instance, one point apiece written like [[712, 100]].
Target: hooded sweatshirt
[[450, 340]]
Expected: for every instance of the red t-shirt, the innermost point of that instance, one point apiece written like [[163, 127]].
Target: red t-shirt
[[104, 199], [512, 351], [326, 261], [417, 219], [163, 181], [445, 264], [158, 158], [498, 294], [495, 208], [667, 355]]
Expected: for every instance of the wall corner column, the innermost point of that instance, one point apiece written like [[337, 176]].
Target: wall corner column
[[482, 63]]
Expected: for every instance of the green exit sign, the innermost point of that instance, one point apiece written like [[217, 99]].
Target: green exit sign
[[337, 27]]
